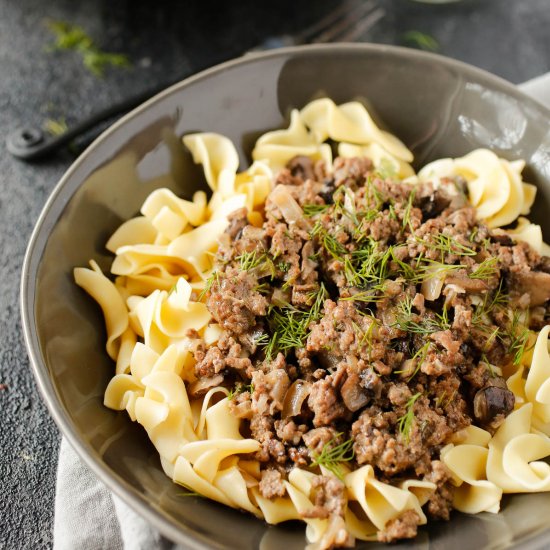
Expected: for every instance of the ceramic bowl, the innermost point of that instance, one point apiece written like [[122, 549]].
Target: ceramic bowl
[[437, 106]]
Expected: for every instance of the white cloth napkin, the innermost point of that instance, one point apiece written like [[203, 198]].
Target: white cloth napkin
[[89, 517]]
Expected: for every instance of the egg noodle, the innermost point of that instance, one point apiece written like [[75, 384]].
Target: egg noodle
[[163, 259]]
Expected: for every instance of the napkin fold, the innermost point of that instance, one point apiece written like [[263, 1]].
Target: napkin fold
[[89, 517]]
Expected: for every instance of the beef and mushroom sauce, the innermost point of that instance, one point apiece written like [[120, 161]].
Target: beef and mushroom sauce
[[366, 322]]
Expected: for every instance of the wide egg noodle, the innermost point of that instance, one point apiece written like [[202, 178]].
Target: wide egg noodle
[[473, 493], [138, 230], [513, 462], [164, 318], [529, 233], [350, 122], [495, 186], [218, 157], [380, 501], [189, 212], [537, 383], [122, 393], [105, 293], [278, 147]]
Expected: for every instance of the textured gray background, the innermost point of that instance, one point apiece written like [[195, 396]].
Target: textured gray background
[[507, 37]]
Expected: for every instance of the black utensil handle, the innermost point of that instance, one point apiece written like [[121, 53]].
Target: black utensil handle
[[31, 143]]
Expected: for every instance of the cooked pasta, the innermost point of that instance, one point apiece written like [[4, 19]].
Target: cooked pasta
[[389, 314]]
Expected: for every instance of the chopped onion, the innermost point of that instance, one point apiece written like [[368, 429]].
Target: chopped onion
[[295, 397], [289, 208], [201, 386], [432, 286]]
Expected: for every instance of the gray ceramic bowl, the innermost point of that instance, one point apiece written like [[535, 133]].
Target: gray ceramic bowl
[[437, 106]]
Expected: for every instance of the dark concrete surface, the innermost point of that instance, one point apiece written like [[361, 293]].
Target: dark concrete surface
[[507, 37]]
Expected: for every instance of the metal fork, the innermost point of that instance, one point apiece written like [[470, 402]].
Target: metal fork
[[347, 22]]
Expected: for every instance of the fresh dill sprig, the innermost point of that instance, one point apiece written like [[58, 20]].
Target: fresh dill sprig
[[256, 259], [519, 338], [427, 325], [419, 357], [369, 265], [491, 302], [439, 400], [73, 37], [332, 455], [364, 337], [240, 388], [446, 244], [407, 212], [214, 278], [289, 325], [421, 40], [404, 423], [56, 127], [486, 269], [311, 210], [335, 248]]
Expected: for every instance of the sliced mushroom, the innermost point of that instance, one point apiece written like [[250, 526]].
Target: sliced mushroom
[[493, 403], [371, 382], [434, 204], [201, 387], [534, 283], [353, 395]]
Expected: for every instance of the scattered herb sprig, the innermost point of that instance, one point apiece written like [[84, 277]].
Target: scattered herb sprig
[[73, 37], [332, 455], [404, 423], [289, 325]]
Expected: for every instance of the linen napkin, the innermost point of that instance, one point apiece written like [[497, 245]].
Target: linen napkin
[[89, 517]]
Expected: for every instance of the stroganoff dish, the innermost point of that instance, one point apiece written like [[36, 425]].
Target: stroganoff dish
[[338, 341]]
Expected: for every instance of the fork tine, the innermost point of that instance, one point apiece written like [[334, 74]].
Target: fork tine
[[345, 26], [317, 28], [356, 31]]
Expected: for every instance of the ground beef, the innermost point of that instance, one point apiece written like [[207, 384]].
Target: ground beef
[[403, 527], [342, 300], [271, 485]]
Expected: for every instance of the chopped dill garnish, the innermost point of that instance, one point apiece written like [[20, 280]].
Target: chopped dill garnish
[[419, 356], [369, 265], [332, 455], [425, 326], [283, 266], [256, 259], [214, 278], [404, 423], [335, 248], [290, 326], [439, 400], [240, 388], [446, 244], [421, 40], [486, 269], [314, 209], [491, 302], [56, 127], [364, 337], [519, 338], [407, 212], [73, 37]]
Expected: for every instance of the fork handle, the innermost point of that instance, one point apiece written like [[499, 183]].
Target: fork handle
[[31, 143]]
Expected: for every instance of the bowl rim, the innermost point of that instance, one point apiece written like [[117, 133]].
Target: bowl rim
[[173, 530]]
